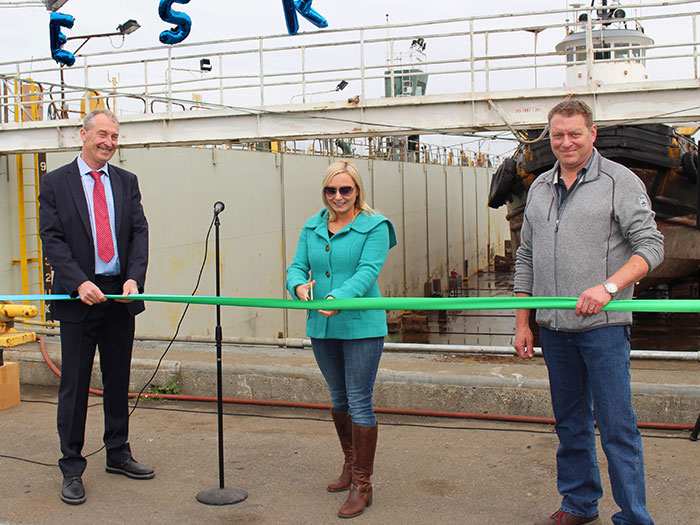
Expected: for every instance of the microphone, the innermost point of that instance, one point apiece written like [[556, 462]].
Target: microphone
[[218, 207]]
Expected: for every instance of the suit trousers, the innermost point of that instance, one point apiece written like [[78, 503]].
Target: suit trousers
[[109, 327]]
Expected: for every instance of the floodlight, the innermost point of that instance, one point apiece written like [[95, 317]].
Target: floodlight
[[128, 27]]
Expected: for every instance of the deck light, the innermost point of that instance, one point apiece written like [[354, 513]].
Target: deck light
[[128, 27], [204, 64]]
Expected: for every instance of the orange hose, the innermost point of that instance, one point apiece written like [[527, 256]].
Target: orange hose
[[395, 411]]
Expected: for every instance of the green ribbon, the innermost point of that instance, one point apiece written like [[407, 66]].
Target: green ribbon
[[431, 303], [399, 303]]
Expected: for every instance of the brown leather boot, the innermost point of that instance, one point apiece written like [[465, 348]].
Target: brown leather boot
[[364, 440], [343, 426]]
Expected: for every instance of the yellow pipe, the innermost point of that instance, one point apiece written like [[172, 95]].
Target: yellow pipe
[[18, 310]]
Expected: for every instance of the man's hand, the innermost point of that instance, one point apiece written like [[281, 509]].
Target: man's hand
[[90, 294], [328, 313], [591, 301], [524, 342], [130, 287]]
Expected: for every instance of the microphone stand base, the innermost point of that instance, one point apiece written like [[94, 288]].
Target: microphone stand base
[[221, 496]]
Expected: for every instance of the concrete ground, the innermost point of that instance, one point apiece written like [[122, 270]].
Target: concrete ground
[[427, 471]]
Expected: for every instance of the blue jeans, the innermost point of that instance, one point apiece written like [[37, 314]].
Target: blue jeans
[[349, 366], [592, 369]]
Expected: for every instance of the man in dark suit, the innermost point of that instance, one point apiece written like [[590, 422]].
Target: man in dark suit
[[95, 236]]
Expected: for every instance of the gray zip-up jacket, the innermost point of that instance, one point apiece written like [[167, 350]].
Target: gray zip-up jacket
[[606, 220]]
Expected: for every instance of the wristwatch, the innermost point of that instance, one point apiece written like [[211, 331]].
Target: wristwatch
[[611, 288]]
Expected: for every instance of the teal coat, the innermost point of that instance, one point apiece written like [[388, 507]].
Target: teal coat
[[344, 266]]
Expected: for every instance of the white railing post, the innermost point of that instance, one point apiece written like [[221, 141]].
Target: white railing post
[[471, 55], [695, 48], [303, 74], [86, 83], [486, 62], [221, 79], [170, 81], [534, 57], [18, 98], [145, 85], [589, 49], [391, 68], [362, 65], [262, 73]]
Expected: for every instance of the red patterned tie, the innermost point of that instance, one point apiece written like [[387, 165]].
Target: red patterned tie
[[105, 247]]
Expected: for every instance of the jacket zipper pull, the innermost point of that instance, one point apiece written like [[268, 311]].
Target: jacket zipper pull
[[556, 226]]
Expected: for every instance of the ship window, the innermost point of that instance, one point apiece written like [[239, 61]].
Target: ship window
[[601, 55], [580, 53], [622, 53]]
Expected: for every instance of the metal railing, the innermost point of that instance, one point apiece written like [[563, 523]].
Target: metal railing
[[467, 55], [381, 148]]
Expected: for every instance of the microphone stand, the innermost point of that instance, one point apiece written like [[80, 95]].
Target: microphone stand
[[220, 495]]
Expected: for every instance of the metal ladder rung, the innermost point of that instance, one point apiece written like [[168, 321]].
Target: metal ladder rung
[[31, 257]]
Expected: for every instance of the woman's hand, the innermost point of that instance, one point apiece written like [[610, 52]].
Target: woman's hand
[[305, 291], [328, 313]]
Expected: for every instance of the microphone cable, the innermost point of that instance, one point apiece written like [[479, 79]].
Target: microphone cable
[[155, 371], [172, 340]]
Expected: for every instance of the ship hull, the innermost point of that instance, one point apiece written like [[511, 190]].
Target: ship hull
[[665, 161]]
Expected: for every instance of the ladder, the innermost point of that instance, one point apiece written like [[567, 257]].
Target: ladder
[[30, 167]]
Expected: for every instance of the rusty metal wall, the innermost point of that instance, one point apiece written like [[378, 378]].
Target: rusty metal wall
[[439, 212]]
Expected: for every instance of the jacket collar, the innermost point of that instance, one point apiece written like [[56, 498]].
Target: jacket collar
[[361, 223]]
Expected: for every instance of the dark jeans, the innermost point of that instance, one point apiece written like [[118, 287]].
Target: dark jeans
[[586, 370]]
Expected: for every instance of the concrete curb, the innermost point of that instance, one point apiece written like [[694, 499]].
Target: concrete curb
[[483, 394]]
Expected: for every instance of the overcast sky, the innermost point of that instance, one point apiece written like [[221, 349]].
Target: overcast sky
[[25, 30]]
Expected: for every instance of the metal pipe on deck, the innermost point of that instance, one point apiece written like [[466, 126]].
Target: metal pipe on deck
[[291, 342]]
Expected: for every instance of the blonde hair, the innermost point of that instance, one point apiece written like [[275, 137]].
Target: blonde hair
[[345, 166]]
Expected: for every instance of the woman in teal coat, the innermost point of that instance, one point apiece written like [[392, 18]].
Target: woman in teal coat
[[340, 253]]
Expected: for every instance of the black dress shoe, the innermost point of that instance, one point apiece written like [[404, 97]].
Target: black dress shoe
[[73, 491], [131, 468]]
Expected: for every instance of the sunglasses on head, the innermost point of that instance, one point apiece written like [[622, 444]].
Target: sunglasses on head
[[330, 191]]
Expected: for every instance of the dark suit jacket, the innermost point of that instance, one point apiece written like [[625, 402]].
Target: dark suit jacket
[[64, 226]]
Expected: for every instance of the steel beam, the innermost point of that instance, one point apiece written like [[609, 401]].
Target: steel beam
[[455, 113]]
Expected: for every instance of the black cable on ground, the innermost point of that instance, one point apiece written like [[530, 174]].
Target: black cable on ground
[[155, 371]]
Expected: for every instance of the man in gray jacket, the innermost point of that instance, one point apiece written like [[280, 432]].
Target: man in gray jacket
[[588, 232]]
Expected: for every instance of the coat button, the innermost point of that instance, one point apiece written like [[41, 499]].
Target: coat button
[[328, 248], [328, 274]]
